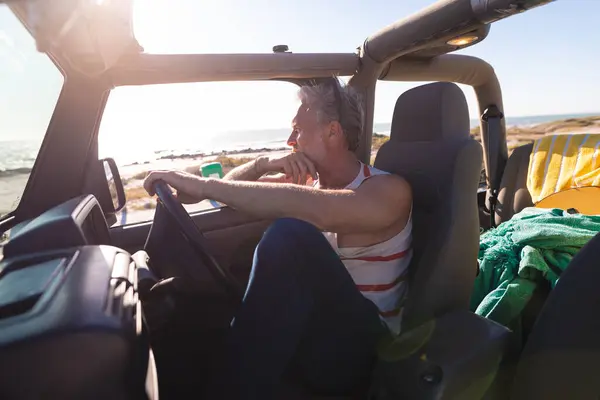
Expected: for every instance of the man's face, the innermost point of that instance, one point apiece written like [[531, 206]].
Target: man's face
[[308, 135]]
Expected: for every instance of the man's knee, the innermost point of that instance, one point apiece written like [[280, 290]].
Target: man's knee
[[286, 235]]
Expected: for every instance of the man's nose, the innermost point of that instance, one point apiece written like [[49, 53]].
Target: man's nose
[[292, 139]]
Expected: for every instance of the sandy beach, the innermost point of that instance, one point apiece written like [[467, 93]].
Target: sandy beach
[[11, 188], [140, 207]]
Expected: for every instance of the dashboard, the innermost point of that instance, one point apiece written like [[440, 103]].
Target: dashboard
[[76, 222], [71, 322]]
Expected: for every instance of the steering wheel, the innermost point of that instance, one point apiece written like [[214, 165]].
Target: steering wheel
[[196, 239]]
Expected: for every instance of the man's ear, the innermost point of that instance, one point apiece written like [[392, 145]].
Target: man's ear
[[336, 134], [335, 128]]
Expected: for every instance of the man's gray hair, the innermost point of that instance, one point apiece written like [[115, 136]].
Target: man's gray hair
[[324, 99]]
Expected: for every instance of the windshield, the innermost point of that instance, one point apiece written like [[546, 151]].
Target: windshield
[[30, 85]]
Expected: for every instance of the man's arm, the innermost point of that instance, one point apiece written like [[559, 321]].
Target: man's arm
[[254, 171], [378, 203], [291, 168], [250, 171]]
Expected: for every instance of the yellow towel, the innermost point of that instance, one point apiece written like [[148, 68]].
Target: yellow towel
[[562, 162]]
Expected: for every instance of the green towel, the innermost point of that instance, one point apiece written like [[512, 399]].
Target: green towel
[[536, 244]]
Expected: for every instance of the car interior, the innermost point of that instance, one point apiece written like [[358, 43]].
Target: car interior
[[92, 309]]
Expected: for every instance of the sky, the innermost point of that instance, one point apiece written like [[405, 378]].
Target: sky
[[546, 60]]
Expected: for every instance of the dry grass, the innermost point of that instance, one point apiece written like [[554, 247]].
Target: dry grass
[[570, 124], [138, 198], [529, 134], [135, 193], [378, 141], [138, 176], [232, 162]]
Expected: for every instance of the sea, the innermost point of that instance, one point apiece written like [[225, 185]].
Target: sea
[[17, 156]]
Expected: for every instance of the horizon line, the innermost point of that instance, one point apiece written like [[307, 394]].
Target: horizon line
[[586, 114]]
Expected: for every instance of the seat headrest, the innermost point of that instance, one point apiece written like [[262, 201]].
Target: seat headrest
[[436, 111]]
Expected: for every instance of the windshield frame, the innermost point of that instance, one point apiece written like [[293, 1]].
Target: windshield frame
[[9, 217]]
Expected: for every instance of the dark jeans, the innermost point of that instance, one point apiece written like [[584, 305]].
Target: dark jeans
[[301, 316]]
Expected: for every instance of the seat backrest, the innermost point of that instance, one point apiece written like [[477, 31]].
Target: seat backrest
[[431, 147], [513, 195]]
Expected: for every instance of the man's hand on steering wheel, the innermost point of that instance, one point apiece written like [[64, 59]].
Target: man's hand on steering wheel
[[189, 187]]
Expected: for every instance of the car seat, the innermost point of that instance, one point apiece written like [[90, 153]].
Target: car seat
[[431, 147]]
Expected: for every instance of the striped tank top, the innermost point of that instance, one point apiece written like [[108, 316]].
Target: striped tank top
[[380, 271]]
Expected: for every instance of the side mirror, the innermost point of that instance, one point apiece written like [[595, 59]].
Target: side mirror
[[104, 182], [115, 185]]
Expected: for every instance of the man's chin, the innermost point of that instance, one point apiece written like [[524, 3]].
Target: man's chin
[[304, 153]]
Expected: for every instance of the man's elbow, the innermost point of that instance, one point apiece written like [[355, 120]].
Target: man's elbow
[[349, 224], [319, 220], [377, 210], [324, 217], [323, 222]]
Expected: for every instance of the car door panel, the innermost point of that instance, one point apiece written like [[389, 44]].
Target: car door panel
[[231, 236]]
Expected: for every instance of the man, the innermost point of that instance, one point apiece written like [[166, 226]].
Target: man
[[328, 276]]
